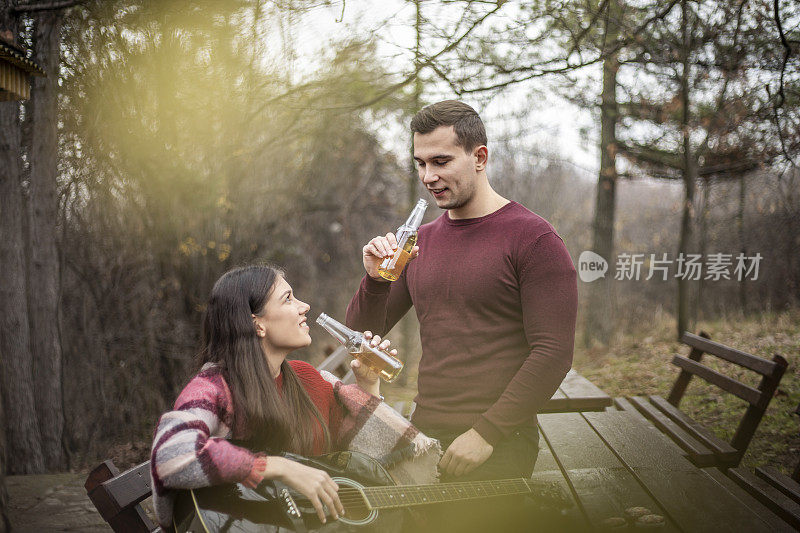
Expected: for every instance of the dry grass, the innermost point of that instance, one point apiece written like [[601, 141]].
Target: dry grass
[[637, 364]]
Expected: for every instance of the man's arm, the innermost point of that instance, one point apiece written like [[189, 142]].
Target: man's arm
[[549, 294], [378, 304]]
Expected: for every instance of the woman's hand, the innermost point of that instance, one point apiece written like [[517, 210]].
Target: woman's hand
[[366, 378], [314, 484]]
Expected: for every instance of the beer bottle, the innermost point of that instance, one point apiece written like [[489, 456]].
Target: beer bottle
[[393, 266], [381, 361]]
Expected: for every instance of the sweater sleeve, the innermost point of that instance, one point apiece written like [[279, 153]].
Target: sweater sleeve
[[378, 305], [189, 448], [549, 295]]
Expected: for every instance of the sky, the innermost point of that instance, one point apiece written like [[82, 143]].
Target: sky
[[550, 125]]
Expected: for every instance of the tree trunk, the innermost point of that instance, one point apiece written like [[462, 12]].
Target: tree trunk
[[703, 242], [599, 324], [406, 325], [689, 176], [5, 525], [742, 246], [687, 220], [43, 290], [23, 452]]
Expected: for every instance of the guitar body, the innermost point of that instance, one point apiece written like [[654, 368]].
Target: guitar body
[[236, 508]]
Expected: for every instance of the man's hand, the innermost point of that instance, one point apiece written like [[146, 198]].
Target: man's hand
[[465, 454], [379, 248]]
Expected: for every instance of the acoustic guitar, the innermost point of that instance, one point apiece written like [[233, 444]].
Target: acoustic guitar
[[371, 499]]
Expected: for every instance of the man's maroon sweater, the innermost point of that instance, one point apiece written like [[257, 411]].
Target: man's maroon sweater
[[496, 299]]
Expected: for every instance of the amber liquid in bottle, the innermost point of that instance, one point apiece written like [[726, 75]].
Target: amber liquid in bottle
[[381, 362], [393, 266]]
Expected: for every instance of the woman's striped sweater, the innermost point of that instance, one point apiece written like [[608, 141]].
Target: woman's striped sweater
[[190, 447]]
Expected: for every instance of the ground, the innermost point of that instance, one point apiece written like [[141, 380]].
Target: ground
[[49, 503]]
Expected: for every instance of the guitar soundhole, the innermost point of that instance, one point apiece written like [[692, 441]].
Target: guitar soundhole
[[355, 508]]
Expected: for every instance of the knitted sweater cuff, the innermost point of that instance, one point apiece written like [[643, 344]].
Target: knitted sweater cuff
[[373, 286], [256, 475], [488, 431]]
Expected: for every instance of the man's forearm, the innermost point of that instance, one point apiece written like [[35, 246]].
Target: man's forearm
[[377, 306], [529, 390]]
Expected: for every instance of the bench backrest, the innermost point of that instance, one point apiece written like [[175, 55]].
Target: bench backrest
[[757, 398], [117, 496], [796, 473], [338, 363]]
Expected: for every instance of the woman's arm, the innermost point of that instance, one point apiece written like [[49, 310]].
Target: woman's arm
[[189, 448]]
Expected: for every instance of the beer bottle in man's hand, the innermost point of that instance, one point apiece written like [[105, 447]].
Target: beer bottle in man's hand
[[393, 266]]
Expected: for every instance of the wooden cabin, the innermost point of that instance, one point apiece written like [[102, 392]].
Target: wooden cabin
[[15, 72]]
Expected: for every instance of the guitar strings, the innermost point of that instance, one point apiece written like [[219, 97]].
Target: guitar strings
[[353, 496]]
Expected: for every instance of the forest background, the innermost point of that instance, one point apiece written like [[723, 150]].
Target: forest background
[[173, 140]]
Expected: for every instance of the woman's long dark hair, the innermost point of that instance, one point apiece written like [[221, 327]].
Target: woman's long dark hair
[[269, 420]]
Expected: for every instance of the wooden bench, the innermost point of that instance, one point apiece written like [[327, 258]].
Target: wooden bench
[[118, 496], [778, 492], [701, 445], [338, 364]]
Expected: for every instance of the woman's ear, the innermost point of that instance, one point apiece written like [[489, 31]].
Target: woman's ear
[[259, 327]]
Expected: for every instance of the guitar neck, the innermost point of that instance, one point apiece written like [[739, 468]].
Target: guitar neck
[[410, 495]]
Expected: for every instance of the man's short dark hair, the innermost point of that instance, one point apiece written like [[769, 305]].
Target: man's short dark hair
[[466, 122]]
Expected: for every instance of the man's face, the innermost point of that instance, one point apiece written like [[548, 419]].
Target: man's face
[[447, 171]]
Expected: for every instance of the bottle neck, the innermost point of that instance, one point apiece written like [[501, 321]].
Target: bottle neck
[[415, 218], [339, 331]]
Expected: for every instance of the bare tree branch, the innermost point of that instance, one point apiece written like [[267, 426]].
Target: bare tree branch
[[577, 42], [533, 72], [787, 52], [409, 78], [341, 15], [781, 95]]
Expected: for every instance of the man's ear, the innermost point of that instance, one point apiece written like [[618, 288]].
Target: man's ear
[[481, 155]]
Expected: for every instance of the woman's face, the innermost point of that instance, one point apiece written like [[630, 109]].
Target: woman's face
[[282, 326]]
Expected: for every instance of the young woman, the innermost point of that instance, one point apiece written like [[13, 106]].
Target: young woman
[[246, 390]]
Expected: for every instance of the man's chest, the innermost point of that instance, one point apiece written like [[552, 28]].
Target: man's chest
[[464, 271]]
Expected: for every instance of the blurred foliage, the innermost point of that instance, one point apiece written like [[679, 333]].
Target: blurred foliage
[[187, 151]]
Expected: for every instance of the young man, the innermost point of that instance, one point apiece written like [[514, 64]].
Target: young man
[[495, 292]]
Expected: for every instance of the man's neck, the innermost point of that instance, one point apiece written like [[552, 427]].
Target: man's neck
[[484, 202]]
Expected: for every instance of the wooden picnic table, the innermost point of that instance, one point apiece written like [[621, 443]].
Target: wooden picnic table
[[613, 460], [576, 393]]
